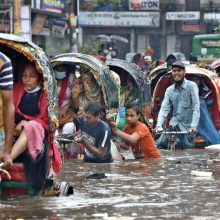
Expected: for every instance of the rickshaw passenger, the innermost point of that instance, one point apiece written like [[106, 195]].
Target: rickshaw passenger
[[31, 117], [6, 110], [205, 91], [206, 129], [65, 82], [89, 90], [183, 95]]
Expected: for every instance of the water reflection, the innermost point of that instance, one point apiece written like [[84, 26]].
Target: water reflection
[[135, 189]]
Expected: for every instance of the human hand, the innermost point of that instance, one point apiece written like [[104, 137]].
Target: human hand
[[193, 130], [62, 111], [79, 138], [157, 130], [6, 158], [113, 126], [18, 128], [76, 90]]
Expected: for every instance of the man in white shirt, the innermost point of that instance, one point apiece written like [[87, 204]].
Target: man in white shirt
[[108, 52]]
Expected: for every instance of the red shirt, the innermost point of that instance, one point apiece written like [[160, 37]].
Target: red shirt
[[145, 146]]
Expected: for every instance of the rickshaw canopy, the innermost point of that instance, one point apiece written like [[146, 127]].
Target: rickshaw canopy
[[36, 54], [212, 77], [139, 77], [101, 73]]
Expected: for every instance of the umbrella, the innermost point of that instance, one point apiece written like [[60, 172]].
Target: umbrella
[[215, 64], [103, 37], [119, 38]]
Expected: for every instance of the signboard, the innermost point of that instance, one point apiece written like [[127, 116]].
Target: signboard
[[58, 28], [121, 19], [212, 17], [143, 5], [72, 20], [38, 2], [26, 22], [191, 25], [54, 5], [38, 23], [194, 15], [210, 43], [17, 17], [45, 31]]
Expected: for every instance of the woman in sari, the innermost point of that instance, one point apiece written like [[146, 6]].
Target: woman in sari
[[88, 90], [31, 115]]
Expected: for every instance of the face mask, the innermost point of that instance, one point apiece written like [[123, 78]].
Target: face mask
[[34, 90], [59, 75]]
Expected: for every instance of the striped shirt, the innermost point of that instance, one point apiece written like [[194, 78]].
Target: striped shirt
[[6, 76], [6, 82]]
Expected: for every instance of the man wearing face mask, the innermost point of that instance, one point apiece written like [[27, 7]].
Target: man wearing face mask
[[183, 97]]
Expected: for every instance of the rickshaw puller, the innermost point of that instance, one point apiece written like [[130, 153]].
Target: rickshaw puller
[[183, 95], [95, 135]]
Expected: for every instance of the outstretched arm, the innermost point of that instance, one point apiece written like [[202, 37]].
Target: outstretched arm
[[8, 115], [133, 138]]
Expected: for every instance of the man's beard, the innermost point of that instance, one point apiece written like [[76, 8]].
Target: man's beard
[[179, 83]]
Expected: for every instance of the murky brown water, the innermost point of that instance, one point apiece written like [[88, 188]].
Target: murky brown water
[[135, 189]]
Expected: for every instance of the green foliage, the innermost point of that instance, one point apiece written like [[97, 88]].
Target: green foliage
[[217, 30], [66, 48], [50, 48], [90, 49]]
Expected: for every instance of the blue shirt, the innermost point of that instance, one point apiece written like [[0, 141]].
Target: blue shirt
[[99, 136], [186, 106]]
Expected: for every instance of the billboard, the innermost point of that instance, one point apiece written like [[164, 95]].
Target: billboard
[[58, 27], [38, 23], [212, 17], [54, 5], [121, 19], [193, 15], [144, 5], [191, 25]]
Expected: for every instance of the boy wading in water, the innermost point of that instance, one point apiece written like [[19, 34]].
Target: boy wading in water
[[136, 135]]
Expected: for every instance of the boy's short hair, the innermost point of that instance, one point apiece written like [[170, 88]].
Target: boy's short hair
[[193, 59], [93, 107], [134, 104]]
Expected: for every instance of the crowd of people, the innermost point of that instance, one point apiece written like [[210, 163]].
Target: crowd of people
[[109, 51], [24, 107]]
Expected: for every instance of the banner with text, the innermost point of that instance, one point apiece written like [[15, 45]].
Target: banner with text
[[54, 5], [121, 19], [144, 5], [193, 15], [212, 17]]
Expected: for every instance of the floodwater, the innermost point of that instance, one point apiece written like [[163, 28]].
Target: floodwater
[[135, 189]]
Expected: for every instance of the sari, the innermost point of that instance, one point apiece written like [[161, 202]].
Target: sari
[[91, 92]]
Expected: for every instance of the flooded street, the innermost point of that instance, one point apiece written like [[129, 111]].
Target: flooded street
[[135, 189]]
